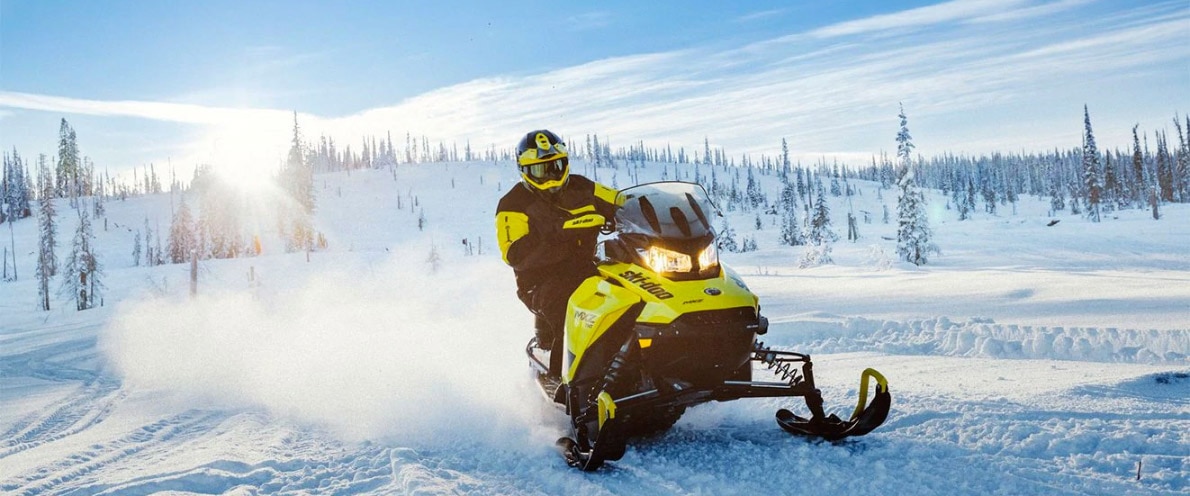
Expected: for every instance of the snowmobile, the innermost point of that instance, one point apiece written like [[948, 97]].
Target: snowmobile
[[665, 326]]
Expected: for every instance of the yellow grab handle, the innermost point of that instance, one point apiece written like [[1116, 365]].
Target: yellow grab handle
[[881, 384], [607, 407]]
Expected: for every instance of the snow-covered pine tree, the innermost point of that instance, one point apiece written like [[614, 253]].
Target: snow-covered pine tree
[[784, 160], [904, 143], [1111, 184], [788, 198], [149, 257], [68, 162], [1075, 209], [791, 232], [202, 238], [181, 235], [6, 205], [816, 255], [1057, 198], [597, 155], [1182, 170], [818, 251], [1165, 169], [755, 197], [220, 220], [749, 244], [1140, 186], [913, 229], [1010, 194], [43, 277], [298, 181], [158, 253], [726, 238], [1090, 170], [47, 227], [802, 190], [136, 249], [98, 200], [957, 198], [47, 261], [706, 153], [30, 188], [15, 193], [820, 226], [82, 271]]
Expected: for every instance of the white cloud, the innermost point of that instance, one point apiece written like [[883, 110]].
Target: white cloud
[[1032, 11], [161, 111], [756, 16], [922, 16]]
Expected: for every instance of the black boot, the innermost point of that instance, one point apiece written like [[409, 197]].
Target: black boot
[[550, 340], [545, 336], [556, 357]]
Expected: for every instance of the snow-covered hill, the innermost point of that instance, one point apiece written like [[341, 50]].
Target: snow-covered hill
[[1025, 359]]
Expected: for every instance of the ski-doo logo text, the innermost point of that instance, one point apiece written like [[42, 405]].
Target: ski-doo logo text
[[647, 285]]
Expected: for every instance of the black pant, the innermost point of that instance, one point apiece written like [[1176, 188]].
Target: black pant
[[548, 301]]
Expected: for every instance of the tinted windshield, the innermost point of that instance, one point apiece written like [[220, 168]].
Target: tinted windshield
[[673, 210]]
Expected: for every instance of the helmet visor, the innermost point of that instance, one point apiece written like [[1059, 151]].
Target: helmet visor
[[552, 170]]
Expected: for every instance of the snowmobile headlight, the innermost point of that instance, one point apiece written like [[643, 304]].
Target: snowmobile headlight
[[709, 257], [663, 260]]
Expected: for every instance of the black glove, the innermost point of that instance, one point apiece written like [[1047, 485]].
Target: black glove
[[545, 227]]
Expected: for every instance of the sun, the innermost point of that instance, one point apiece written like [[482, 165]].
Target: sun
[[244, 175], [240, 156]]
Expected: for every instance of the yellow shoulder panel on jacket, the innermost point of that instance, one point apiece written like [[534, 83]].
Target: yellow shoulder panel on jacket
[[606, 194], [510, 226]]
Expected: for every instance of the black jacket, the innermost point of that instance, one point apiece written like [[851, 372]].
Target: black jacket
[[529, 228]]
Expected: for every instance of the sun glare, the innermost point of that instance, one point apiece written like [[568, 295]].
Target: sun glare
[[246, 176], [238, 157]]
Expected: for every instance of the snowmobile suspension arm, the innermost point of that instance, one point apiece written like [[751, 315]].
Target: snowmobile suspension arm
[[785, 365]]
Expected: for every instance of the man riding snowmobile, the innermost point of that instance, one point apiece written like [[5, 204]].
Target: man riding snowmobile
[[547, 227], [662, 325]]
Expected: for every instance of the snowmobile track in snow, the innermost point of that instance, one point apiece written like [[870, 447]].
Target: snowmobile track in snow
[[89, 405], [160, 434]]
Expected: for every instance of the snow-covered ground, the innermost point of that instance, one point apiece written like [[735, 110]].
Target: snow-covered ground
[[1025, 359]]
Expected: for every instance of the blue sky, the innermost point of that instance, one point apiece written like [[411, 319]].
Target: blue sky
[[178, 82]]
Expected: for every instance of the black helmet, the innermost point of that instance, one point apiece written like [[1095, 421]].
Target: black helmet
[[543, 160]]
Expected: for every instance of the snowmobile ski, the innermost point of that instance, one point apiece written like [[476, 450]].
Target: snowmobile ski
[[832, 428], [610, 444]]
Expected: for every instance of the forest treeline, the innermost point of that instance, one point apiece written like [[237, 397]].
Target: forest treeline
[[208, 217]]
